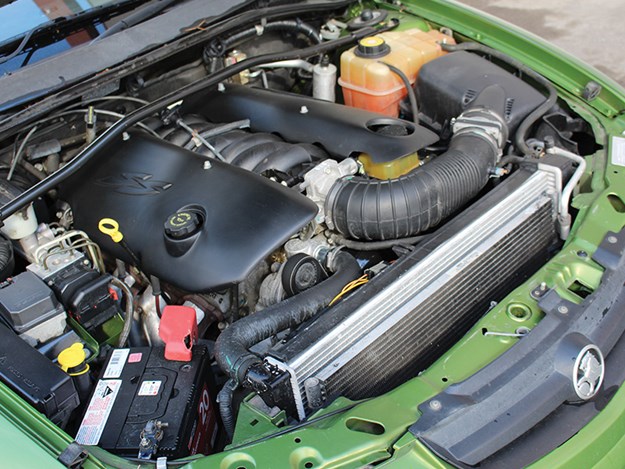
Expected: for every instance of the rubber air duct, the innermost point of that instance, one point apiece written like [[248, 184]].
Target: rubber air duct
[[373, 210]]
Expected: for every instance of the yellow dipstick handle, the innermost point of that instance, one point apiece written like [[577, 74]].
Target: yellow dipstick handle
[[110, 227]]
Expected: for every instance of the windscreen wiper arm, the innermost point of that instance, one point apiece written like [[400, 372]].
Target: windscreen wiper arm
[[142, 14], [16, 45]]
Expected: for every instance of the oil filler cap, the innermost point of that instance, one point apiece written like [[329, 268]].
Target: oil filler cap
[[372, 47], [182, 224]]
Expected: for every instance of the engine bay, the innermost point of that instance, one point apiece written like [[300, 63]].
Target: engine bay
[[288, 234]]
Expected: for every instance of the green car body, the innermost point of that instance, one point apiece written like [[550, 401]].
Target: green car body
[[376, 431]]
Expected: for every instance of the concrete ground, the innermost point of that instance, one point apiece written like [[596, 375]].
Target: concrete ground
[[592, 31]]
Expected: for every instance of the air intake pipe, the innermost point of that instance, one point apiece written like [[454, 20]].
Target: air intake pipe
[[374, 210]]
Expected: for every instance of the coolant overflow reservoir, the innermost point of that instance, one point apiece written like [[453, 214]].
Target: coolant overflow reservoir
[[369, 84]]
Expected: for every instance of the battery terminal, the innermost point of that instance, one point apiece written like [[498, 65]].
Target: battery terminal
[[151, 435]]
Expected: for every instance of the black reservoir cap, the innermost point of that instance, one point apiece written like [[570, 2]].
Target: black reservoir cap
[[182, 224]]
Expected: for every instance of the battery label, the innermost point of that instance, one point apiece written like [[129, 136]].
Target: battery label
[[116, 363], [135, 357], [149, 388], [98, 412]]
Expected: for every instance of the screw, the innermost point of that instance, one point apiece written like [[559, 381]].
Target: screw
[[563, 309], [435, 405], [612, 239], [582, 254]]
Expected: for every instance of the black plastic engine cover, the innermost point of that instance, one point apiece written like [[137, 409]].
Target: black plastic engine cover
[[341, 130], [143, 182], [448, 85]]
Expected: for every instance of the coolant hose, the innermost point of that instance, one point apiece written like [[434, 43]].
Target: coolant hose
[[293, 26], [232, 347], [224, 399]]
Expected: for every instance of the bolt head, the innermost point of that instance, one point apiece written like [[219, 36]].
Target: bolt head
[[436, 405]]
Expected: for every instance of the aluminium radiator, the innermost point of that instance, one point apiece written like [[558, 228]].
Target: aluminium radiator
[[414, 311]]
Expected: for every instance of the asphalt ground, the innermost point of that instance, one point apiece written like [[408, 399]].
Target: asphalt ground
[[592, 31]]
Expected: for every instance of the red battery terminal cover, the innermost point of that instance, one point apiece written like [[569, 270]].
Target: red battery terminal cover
[[178, 329]]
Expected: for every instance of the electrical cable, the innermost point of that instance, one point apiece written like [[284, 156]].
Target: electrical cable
[[349, 287], [18, 154]]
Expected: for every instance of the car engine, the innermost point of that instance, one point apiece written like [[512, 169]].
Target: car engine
[[299, 231]]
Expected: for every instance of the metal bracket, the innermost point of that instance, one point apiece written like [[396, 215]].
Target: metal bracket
[[297, 394]]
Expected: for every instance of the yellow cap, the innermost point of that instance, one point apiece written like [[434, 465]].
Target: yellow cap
[[72, 357], [371, 41], [110, 227], [372, 47]]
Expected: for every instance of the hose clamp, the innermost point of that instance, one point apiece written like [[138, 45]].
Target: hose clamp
[[331, 258], [484, 123]]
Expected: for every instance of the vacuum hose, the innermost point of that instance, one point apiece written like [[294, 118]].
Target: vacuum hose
[[232, 347], [374, 210]]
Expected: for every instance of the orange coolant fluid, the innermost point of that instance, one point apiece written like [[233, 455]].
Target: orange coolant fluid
[[369, 84]]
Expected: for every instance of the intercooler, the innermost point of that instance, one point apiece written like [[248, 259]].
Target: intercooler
[[408, 316]]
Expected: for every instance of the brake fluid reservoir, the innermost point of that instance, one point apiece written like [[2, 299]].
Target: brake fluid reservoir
[[369, 84]]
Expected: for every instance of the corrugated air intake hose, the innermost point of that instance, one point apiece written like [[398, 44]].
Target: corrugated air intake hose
[[374, 210]]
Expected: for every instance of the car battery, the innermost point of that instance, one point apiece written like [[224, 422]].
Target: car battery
[[139, 391]]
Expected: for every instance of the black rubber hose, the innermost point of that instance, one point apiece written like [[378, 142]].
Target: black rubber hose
[[224, 399], [532, 117], [412, 97], [376, 210], [7, 258], [512, 159], [375, 245], [232, 347], [293, 26], [118, 128]]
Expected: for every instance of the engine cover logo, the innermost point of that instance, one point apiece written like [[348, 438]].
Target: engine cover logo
[[135, 184]]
